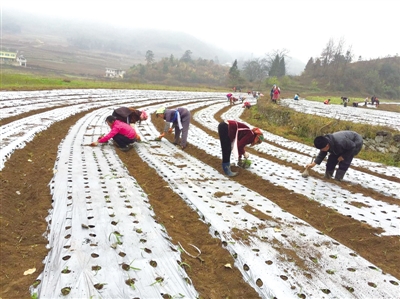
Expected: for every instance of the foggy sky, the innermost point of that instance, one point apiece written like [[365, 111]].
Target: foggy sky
[[302, 27]]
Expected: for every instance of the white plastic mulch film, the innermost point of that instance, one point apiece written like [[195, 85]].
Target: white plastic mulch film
[[105, 243]]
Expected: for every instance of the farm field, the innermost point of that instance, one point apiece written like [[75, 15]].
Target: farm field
[[159, 222]]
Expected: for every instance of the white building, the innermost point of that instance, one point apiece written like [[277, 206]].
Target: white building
[[114, 73]]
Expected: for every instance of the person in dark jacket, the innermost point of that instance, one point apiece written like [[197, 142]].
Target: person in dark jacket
[[180, 120], [130, 115], [342, 146], [234, 136]]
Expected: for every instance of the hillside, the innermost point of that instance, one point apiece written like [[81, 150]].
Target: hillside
[[82, 48]]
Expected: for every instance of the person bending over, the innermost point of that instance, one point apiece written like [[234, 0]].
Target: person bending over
[[130, 115], [180, 120], [234, 136], [342, 146]]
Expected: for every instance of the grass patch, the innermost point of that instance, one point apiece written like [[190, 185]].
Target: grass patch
[[19, 82]]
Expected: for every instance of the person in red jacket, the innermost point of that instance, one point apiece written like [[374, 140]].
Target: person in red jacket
[[122, 134], [276, 95], [234, 136]]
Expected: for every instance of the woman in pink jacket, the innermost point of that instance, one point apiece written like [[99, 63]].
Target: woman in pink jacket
[[122, 134]]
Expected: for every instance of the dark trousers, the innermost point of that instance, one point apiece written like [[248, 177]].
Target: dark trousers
[[226, 144], [333, 161], [122, 141]]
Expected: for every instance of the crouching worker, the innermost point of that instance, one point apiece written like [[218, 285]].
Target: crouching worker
[[342, 147], [122, 134], [234, 136]]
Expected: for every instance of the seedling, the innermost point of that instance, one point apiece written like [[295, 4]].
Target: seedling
[[315, 260], [182, 264], [330, 271], [117, 236], [158, 280], [131, 282], [127, 267]]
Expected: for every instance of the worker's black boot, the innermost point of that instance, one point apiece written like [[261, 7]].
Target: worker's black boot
[[328, 174], [339, 175]]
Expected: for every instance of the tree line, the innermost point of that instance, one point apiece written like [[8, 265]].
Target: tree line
[[178, 71], [334, 70]]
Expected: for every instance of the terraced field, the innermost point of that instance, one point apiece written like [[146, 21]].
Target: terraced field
[[159, 222]]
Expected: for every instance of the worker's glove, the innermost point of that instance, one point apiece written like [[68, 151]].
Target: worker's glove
[[95, 143], [138, 139], [246, 155], [170, 130]]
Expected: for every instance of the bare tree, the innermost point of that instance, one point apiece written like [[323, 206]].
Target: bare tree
[[328, 52], [255, 69]]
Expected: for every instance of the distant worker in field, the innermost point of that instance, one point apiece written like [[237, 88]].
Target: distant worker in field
[[122, 134], [345, 100], [296, 97], [180, 120], [246, 105], [234, 136], [272, 91], [276, 95], [327, 101], [130, 115], [233, 100], [342, 146], [229, 95]]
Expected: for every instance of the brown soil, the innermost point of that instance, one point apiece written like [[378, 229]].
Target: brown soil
[[25, 201]]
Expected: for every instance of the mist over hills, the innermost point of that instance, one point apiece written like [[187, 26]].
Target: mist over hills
[[110, 45]]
